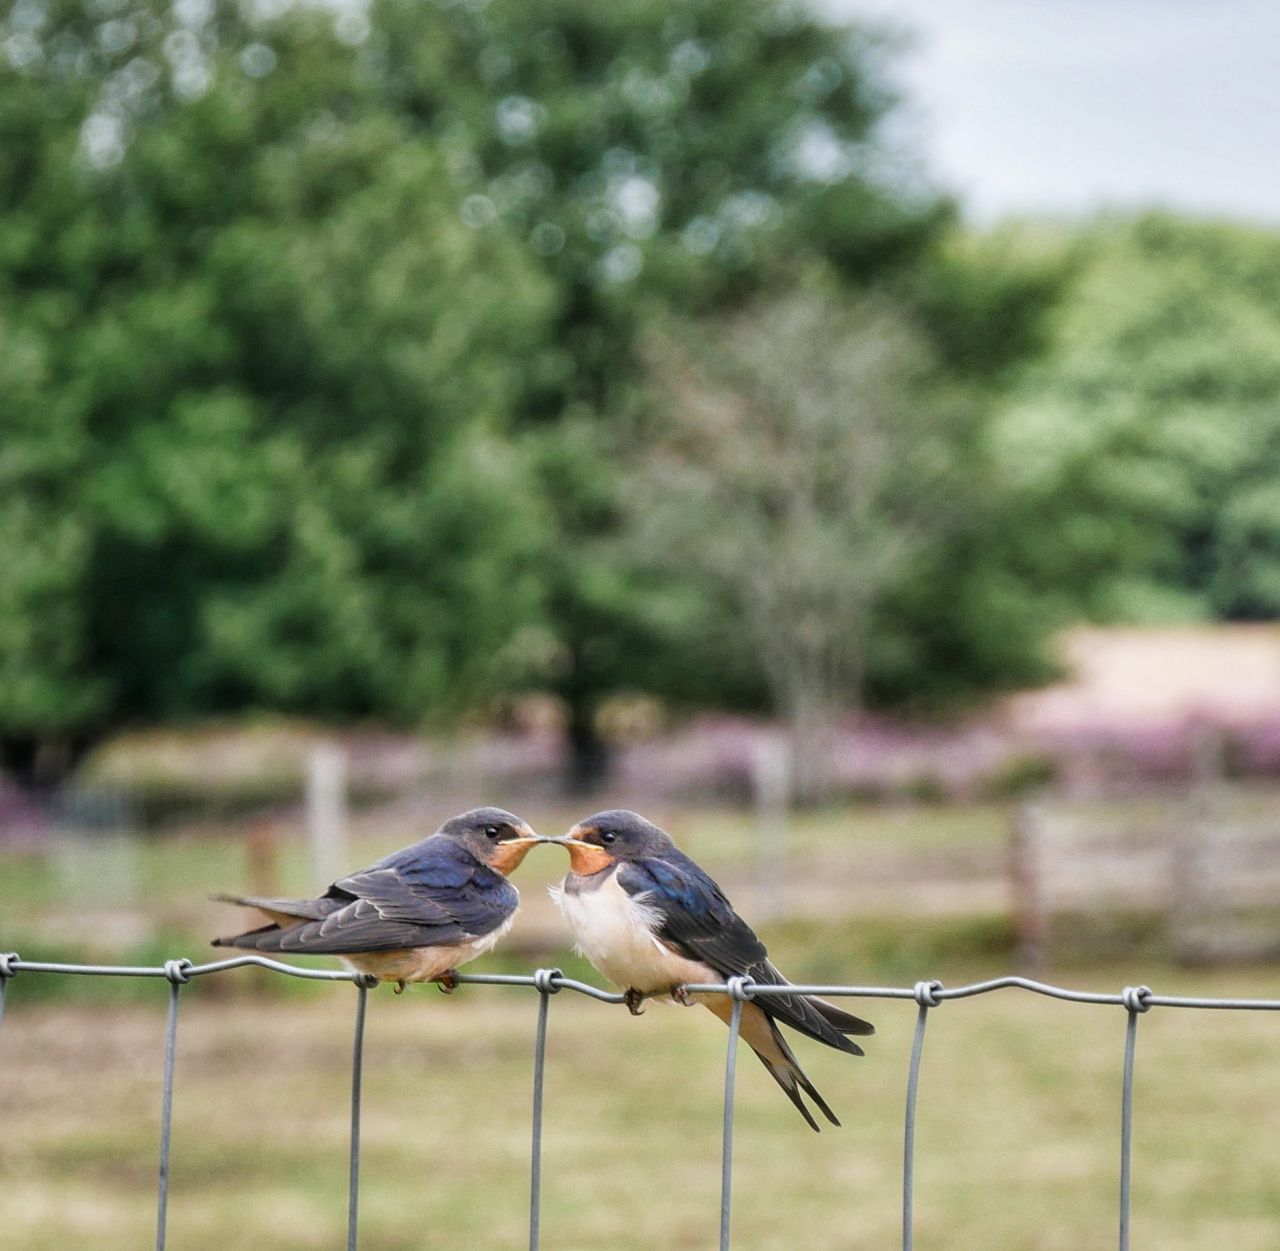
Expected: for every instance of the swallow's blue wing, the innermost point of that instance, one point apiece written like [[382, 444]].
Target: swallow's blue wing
[[696, 919], [432, 894]]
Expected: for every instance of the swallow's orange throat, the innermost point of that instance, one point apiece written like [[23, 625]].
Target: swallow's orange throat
[[588, 860], [506, 857]]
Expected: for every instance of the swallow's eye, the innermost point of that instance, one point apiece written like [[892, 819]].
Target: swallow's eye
[[492, 831], [608, 836]]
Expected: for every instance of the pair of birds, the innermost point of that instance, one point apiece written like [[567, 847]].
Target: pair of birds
[[641, 911]]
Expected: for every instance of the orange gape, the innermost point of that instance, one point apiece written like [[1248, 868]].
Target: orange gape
[[506, 857], [588, 860]]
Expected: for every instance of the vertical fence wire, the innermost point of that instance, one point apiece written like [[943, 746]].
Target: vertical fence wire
[[737, 989], [7, 970], [545, 981], [363, 982], [1135, 1001], [176, 973], [926, 995]]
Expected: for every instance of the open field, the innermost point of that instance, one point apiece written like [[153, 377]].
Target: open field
[[1017, 1140], [1017, 1145]]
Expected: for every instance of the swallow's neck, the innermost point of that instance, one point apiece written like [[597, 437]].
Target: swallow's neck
[[506, 857], [588, 870]]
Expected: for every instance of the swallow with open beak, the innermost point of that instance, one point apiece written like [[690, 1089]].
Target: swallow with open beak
[[653, 922], [415, 915]]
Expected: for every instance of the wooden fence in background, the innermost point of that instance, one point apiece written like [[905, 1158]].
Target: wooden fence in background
[[1213, 875]]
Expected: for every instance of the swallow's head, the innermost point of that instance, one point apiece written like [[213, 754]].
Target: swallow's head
[[499, 838], [602, 840]]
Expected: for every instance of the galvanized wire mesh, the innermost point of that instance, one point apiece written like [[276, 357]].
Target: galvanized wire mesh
[[928, 995]]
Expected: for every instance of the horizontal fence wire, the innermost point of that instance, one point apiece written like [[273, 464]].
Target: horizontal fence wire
[[927, 995]]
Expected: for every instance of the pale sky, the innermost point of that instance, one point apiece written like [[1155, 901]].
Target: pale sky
[[1033, 106]]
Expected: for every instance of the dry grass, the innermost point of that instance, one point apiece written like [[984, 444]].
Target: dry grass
[[1017, 1141]]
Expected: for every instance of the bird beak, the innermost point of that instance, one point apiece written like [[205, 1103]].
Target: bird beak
[[573, 839]]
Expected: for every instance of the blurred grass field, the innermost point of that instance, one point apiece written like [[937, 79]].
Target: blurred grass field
[[1017, 1140], [1017, 1143]]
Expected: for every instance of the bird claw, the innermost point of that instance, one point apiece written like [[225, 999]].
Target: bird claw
[[399, 989], [682, 996], [447, 982], [634, 999]]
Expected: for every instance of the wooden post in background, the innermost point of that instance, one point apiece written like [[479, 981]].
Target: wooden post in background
[[1026, 880], [262, 873], [771, 786], [327, 813]]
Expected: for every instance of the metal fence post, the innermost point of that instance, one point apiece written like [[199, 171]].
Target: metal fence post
[[926, 995], [740, 991], [364, 982], [8, 969], [545, 981], [1136, 999], [176, 971]]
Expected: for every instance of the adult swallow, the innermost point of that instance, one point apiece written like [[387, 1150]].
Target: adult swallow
[[415, 915], [652, 921]]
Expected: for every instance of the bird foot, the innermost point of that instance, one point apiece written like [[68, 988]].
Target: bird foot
[[448, 981], [399, 990], [681, 995], [634, 1000]]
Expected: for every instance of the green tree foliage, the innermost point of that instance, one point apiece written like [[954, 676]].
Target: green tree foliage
[[654, 155], [318, 330], [259, 382], [1145, 448]]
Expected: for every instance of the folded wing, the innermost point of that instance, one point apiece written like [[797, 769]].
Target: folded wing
[[424, 897]]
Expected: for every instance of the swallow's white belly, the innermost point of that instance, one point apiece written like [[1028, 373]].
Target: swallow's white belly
[[424, 964], [616, 933]]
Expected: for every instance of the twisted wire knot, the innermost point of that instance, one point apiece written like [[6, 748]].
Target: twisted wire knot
[[8, 964], [176, 971], [926, 993], [741, 988], [1136, 998], [545, 981], [366, 981]]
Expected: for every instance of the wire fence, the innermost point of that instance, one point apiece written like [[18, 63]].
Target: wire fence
[[928, 995]]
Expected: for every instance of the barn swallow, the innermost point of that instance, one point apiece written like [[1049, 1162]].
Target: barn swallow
[[652, 921], [415, 915]]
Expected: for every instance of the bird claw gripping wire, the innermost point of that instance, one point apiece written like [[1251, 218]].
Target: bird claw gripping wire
[[448, 981], [634, 999]]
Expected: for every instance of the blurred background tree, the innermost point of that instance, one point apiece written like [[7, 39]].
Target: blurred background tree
[[263, 381], [807, 458], [322, 330], [1145, 444]]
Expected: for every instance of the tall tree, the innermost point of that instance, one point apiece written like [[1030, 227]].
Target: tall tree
[[809, 460], [654, 155], [262, 382]]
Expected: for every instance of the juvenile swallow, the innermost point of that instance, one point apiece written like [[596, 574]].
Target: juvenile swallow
[[652, 922], [415, 915]]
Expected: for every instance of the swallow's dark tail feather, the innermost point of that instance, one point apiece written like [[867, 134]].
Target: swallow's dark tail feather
[[791, 1077], [813, 1017], [276, 936]]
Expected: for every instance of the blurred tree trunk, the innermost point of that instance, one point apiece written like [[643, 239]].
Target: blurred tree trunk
[[589, 757], [42, 763]]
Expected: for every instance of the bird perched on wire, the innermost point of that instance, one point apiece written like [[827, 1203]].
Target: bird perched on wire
[[652, 921], [415, 915]]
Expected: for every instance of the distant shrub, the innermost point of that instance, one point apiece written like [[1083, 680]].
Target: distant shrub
[[1021, 776]]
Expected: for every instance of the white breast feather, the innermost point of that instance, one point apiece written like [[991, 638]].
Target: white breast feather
[[616, 932]]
